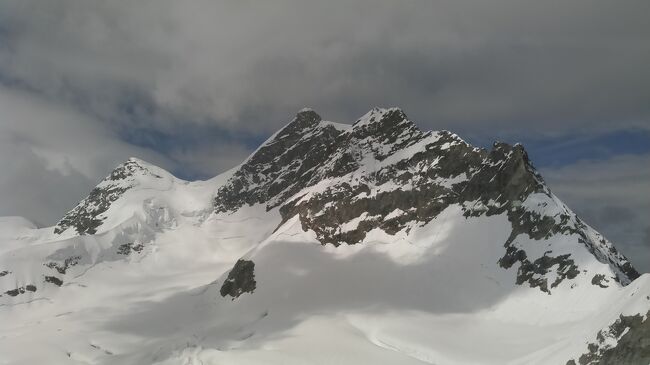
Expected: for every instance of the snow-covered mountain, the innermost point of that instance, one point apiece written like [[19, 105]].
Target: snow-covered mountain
[[374, 242]]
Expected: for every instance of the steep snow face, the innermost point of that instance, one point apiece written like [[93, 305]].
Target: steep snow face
[[374, 242]]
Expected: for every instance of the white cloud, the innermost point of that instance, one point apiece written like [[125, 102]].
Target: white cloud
[[51, 156]]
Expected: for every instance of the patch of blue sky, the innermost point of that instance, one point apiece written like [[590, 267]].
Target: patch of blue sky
[[187, 137], [569, 149]]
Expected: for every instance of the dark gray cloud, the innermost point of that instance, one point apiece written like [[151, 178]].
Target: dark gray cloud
[[82, 81], [546, 66]]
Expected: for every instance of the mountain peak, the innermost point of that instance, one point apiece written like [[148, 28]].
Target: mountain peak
[[384, 125], [127, 169], [331, 178], [394, 230], [87, 216], [378, 115], [137, 161], [305, 119], [376, 119], [306, 110]]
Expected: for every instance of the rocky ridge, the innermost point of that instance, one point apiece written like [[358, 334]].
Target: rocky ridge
[[626, 341], [384, 173]]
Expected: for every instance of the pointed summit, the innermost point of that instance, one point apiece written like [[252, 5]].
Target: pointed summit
[[305, 119], [282, 165], [87, 216], [382, 121], [376, 115], [307, 111], [385, 131], [126, 169]]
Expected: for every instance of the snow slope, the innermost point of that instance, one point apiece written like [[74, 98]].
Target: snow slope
[[331, 244]]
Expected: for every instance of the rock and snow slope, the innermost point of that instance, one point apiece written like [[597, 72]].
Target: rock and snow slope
[[331, 244]]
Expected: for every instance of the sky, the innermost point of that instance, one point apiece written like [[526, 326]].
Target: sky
[[194, 86]]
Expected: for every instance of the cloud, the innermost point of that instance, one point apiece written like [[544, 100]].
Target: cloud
[[193, 86], [249, 65], [51, 156], [208, 159], [612, 196], [28, 188]]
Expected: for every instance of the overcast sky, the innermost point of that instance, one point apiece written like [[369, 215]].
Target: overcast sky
[[194, 86]]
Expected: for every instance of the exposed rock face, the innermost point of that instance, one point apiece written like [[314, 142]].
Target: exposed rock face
[[20, 290], [385, 173], [283, 166], [503, 177], [86, 217], [241, 279], [62, 267], [631, 336], [600, 280], [54, 280], [127, 248]]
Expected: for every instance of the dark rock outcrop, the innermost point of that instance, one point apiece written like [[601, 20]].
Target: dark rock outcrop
[[54, 280], [62, 267], [127, 248], [632, 337], [21, 290], [600, 280], [241, 279]]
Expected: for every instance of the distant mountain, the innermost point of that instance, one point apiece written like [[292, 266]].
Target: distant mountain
[[374, 242]]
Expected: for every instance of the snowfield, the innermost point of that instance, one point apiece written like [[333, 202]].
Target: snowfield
[[146, 287]]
